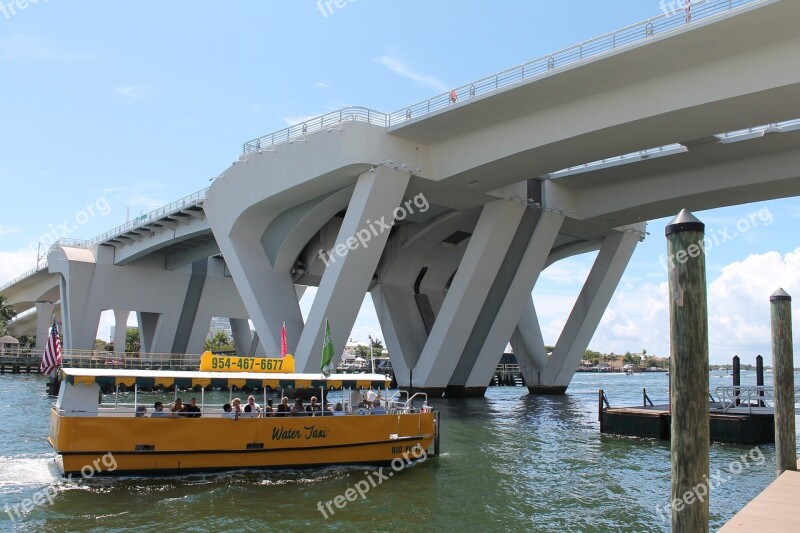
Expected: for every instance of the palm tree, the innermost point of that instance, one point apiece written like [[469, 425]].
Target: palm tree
[[6, 313]]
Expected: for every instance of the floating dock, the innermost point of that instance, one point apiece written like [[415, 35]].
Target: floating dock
[[19, 365], [731, 425]]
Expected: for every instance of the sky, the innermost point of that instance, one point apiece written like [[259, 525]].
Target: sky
[[113, 109]]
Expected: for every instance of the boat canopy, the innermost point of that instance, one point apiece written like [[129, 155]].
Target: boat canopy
[[240, 380]]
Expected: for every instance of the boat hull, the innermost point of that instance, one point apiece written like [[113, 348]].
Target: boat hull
[[124, 445]]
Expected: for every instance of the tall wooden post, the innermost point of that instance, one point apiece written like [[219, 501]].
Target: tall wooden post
[[688, 373], [783, 376], [737, 378]]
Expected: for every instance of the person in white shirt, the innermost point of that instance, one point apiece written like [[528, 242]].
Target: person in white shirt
[[252, 409]]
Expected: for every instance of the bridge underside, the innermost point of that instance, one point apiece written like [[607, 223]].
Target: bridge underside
[[448, 220]]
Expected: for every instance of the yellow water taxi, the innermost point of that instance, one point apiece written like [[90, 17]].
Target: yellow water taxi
[[84, 431]]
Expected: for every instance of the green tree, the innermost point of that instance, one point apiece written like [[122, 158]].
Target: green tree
[[132, 341], [376, 346], [219, 342], [631, 359], [99, 345], [6, 313]]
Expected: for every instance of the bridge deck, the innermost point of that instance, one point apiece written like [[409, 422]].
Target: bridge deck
[[774, 510]]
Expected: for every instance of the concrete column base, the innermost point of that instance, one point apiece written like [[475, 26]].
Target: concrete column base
[[451, 391], [550, 390]]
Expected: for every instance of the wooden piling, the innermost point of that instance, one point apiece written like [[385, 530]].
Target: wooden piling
[[688, 372], [737, 378], [783, 376]]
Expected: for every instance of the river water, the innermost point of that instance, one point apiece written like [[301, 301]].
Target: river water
[[509, 462]]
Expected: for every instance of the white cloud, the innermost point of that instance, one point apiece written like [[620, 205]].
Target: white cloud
[[6, 230], [400, 68], [321, 85], [568, 271], [19, 46], [12, 264], [131, 93]]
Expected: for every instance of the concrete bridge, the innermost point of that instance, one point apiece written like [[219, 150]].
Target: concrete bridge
[[447, 211]]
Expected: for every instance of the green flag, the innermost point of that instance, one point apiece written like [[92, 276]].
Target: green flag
[[327, 351]]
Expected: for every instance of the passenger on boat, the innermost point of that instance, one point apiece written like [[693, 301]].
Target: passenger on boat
[[338, 410], [192, 410], [252, 409], [297, 408], [177, 408], [313, 408], [377, 408], [268, 409], [141, 411], [159, 411], [228, 412], [283, 408], [236, 405]]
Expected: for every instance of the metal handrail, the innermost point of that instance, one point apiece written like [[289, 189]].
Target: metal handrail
[[128, 360], [749, 397], [323, 122], [633, 34], [189, 200]]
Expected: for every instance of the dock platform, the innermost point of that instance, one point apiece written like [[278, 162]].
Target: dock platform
[[774, 510], [655, 422]]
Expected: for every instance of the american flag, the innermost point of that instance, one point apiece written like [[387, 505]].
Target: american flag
[[284, 347], [52, 352]]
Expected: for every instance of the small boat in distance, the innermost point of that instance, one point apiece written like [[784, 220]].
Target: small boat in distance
[[84, 431]]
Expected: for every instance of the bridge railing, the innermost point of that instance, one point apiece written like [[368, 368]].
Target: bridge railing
[[635, 33], [324, 122], [177, 205], [680, 16]]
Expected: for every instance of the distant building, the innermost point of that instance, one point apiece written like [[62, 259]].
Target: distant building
[[220, 324]]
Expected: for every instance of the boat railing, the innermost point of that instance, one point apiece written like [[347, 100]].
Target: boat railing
[[127, 360]]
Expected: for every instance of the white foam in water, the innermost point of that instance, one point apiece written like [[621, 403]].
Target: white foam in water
[[23, 472]]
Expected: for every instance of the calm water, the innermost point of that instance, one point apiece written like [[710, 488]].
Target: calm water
[[510, 462]]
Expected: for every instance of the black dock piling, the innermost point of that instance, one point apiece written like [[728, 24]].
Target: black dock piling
[[737, 378], [690, 431], [760, 378]]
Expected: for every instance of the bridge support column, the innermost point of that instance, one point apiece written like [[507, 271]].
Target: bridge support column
[[242, 336], [79, 315], [582, 323], [402, 327], [528, 344], [350, 265], [44, 320], [511, 298], [466, 298], [120, 330]]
